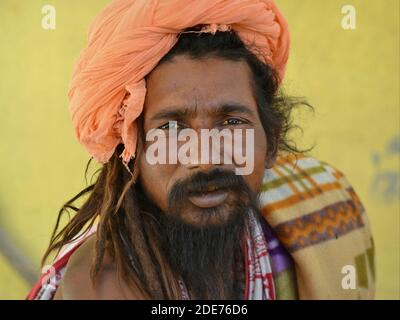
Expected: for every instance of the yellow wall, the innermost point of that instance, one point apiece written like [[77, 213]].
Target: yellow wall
[[350, 76]]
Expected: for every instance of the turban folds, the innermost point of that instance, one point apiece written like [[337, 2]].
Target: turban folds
[[128, 39]]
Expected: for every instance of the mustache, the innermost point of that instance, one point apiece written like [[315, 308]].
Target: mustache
[[201, 182]]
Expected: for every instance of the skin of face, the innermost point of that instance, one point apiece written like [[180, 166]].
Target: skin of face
[[192, 92]]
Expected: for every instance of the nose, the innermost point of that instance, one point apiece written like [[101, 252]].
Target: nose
[[209, 148], [206, 160]]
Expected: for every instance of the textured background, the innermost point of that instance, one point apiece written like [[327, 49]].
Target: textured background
[[351, 77]]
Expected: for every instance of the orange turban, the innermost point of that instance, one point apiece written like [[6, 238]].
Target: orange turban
[[127, 40]]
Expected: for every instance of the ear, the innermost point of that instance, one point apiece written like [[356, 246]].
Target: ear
[[269, 163], [271, 158], [139, 148], [272, 149]]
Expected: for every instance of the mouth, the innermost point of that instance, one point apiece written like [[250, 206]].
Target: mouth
[[212, 197]]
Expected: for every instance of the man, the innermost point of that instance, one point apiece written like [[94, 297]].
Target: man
[[181, 218]]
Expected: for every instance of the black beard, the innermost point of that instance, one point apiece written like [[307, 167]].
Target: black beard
[[209, 258]]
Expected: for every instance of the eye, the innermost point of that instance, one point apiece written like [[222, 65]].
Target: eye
[[232, 122], [170, 125]]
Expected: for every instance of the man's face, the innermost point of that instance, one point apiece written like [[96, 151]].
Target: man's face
[[210, 93]]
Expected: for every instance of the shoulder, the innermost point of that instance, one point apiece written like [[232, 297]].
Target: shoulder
[[301, 193], [304, 177], [77, 283], [315, 212]]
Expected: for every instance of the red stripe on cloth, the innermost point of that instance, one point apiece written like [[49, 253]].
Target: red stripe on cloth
[[271, 290], [246, 271]]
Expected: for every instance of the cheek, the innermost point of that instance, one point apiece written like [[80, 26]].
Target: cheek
[[254, 180], [155, 181]]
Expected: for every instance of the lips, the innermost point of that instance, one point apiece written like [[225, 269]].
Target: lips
[[213, 197]]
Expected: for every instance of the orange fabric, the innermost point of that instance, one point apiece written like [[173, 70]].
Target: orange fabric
[[127, 40]]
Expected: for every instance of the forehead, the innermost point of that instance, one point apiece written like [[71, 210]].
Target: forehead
[[207, 83]]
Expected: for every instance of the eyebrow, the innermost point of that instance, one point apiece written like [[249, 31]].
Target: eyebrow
[[222, 109]]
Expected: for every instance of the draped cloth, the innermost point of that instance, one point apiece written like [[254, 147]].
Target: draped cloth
[[128, 39]]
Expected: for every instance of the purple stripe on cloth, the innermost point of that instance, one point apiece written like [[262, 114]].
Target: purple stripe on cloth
[[280, 258]]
